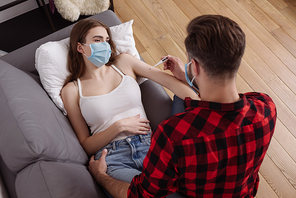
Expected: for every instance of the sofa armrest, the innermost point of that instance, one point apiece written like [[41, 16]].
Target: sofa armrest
[[56, 179], [3, 192], [156, 102], [8, 179]]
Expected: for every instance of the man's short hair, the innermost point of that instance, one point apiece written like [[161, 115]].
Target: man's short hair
[[217, 43]]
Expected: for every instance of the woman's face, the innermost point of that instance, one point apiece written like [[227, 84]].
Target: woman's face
[[95, 35]]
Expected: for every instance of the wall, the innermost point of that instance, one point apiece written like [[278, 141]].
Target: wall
[[18, 9]]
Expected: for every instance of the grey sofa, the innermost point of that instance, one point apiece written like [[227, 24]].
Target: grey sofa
[[40, 155]]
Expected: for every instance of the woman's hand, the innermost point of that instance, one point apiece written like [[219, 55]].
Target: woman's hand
[[135, 125], [176, 66]]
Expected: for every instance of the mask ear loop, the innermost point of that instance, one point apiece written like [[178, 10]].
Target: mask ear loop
[[193, 86], [90, 49], [191, 81]]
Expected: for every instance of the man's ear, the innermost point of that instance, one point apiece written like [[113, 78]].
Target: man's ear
[[195, 67], [79, 48]]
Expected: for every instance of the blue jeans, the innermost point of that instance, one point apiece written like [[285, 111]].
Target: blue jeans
[[125, 157]]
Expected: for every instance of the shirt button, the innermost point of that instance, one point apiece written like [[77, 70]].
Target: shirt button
[[129, 139]]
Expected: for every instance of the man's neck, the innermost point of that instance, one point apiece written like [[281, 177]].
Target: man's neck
[[219, 92]]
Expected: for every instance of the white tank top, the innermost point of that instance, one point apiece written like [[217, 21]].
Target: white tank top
[[100, 112]]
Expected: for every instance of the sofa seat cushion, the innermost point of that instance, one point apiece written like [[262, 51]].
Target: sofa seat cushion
[[31, 127], [55, 179]]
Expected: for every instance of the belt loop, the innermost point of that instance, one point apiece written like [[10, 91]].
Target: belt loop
[[114, 145], [141, 138]]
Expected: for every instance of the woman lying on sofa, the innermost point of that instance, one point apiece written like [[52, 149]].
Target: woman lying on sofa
[[102, 93]]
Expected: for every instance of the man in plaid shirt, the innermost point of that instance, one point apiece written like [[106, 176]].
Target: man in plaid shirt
[[214, 148]]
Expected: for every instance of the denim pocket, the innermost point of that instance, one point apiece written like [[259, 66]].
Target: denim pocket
[[147, 139]]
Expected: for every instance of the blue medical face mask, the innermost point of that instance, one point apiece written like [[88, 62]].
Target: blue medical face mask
[[100, 53], [190, 82]]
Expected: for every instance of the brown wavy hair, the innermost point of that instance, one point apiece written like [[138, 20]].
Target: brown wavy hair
[[76, 65], [218, 43]]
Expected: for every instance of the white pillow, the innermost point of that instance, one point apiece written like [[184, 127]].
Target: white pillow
[[123, 38], [51, 60]]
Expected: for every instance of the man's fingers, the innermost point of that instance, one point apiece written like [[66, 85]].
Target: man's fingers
[[104, 154], [92, 158], [173, 58]]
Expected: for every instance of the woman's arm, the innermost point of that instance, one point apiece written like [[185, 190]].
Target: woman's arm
[[91, 144], [140, 68]]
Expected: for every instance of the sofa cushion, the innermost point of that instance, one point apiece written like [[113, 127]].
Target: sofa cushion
[[55, 179], [31, 127], [9, 179]]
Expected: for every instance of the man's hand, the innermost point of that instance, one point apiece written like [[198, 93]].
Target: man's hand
[[176, 66], [98, 167]]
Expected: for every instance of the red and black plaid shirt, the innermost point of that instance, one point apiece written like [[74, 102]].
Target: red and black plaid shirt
[[211, 150]]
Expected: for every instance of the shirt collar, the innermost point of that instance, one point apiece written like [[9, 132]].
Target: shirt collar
[[191, 104]]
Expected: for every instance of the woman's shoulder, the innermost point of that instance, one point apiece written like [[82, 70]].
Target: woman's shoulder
[[69, 86], [124, 57], [123, 62], [70, 89]]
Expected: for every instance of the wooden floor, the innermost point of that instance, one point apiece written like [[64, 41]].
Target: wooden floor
[[269, 63]]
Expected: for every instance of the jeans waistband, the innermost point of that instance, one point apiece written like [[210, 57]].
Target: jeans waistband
[[127, 141]]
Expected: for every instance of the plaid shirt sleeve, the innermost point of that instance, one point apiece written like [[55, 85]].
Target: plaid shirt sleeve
[[160, 172]]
